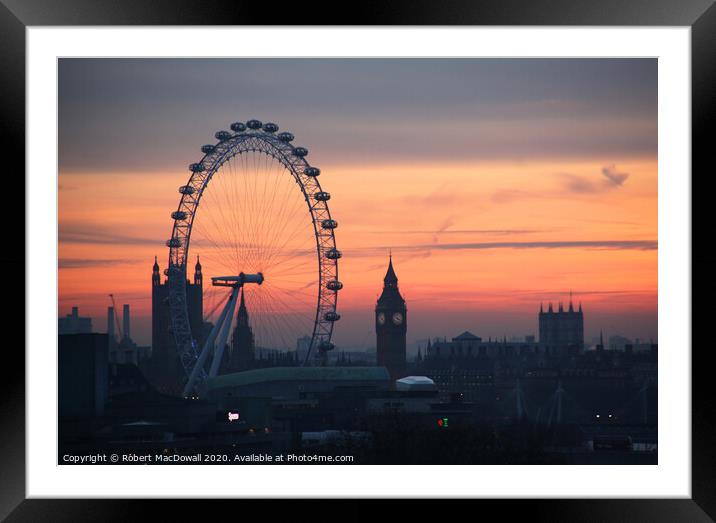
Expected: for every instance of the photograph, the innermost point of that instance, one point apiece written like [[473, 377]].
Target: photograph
[[358, 261]]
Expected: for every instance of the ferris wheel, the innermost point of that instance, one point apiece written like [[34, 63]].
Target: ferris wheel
[[266, 236]]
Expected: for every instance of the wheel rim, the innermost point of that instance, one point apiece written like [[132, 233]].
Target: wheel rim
[[242, 211]]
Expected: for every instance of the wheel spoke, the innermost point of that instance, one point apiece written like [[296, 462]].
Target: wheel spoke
[[258, 214]]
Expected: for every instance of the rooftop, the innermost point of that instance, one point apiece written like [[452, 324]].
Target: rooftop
[[467, 335], [415, 383]]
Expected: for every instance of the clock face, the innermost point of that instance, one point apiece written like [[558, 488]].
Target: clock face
[[381, 318], [398, 318]]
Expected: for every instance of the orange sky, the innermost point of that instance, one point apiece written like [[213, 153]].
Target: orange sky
[[476, 245], [497, 183]]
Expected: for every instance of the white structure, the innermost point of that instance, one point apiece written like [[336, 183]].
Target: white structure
[[413, 383]]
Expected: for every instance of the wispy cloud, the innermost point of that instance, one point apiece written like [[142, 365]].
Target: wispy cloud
[[578, 184], [425, 249], [444, 226], [77, 263], [533, 296], [510, 195], [608, 244], [583, 185], [90, 234], [614, 177], [570, 183], [496, 232], [445, 194]]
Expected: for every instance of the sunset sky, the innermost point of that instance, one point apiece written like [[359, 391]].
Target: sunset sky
[[497, 183]]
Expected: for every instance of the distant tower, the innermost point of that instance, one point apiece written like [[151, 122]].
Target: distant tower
[[156, 278], [125, 321], [110, 329], [391, 326], [165, 364], [561, 332], [242, 342], [198, 278]]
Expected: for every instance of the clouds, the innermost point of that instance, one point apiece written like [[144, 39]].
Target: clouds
[[424, 250], [483, 175], [444, 226], [443, 232], [604, 244], [578, 184], [81, 263], [92, 234], [569, 184], [583, 185], [149, 114], [614, 178]]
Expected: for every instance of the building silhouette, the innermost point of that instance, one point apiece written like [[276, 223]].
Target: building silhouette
[[82, 374], [165, 364], [561, 331], [124, 351], [74, 324], [302, 345], [391, 326], [241, 351]]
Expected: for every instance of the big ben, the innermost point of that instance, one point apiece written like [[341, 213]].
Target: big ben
[[391, 320]]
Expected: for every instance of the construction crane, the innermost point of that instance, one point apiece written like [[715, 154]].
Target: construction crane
[[116, 318]]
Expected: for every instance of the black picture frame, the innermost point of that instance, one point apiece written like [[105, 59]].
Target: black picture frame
[[700, 15]]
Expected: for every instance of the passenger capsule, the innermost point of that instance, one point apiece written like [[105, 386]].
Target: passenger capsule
[[179, 215], [329, 224], [174, 242], [197, 167], [322, 196], [334, 285], [285, 137], [312, 171], [325, 346], [270, 127], [208, 148], [253, 124], [300, 152], [238, 127], [187, 189], [333, 254], [222, 135], [331, 316]]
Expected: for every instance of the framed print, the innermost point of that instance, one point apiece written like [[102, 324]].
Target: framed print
[[447, 255]]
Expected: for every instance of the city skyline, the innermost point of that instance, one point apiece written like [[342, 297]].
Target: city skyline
[[523, 181]]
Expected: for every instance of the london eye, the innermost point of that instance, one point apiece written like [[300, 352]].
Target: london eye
[[254, 210]]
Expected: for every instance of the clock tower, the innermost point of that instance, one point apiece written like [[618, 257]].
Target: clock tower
[[391, 326]]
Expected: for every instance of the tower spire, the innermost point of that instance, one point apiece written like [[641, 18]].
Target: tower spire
[[198, 278], [156, 279], [391, 279], [243, 342], [391, 325]]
